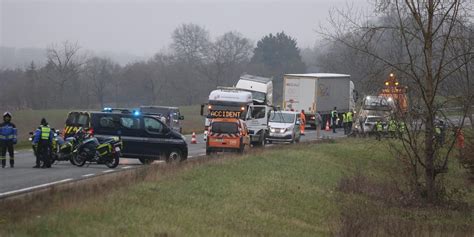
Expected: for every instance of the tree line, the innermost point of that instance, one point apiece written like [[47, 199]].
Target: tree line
[[184, 74]]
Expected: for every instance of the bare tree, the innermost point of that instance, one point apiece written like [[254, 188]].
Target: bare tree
[[99, 74], [425, 30], [63, 64], [228, 54]]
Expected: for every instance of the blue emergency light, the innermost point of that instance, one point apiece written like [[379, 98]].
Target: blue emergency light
[[136, 113]]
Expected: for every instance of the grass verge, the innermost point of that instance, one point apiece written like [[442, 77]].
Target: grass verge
[[289, 190]]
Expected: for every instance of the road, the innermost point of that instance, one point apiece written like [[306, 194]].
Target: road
[[23, 178]]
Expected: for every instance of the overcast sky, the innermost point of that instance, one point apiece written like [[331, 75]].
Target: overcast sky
[[143, 27]]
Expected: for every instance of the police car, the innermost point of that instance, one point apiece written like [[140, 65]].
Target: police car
[[144, 136]]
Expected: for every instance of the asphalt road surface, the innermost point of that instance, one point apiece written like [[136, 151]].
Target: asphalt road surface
[[23, 178]]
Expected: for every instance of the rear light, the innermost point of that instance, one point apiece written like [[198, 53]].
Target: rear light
[[91, 131]]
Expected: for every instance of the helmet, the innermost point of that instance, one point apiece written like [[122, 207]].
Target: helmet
[[44, 122], [7, 116]]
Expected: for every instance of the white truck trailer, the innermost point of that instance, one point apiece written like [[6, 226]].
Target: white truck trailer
[[320, 92]]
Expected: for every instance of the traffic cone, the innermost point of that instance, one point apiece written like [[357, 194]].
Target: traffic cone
[[193, 138], [327, 125]]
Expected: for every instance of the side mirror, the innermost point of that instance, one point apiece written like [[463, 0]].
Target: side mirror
[[166, 130], [298, 122], [181, 117]]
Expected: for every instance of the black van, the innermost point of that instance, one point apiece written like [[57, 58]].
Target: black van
[[144, 136]]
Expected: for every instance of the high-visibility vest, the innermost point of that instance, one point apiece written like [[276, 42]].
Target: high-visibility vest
[[45, 132], [437, 130], [401, 127], [349, 116], [334, 114], [344, 118], [392, 127], [379, 126]]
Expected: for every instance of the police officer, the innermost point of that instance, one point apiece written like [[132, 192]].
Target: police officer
[[43, 140], [8, 138], [334, 117]]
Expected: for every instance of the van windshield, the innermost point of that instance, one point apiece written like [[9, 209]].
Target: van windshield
[[77, 119], [282, 117], [223, 127]]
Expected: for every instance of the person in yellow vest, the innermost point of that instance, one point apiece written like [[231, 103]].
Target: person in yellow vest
[[42, 140], [302, 122], [378, 130], [344, 122], [401, 129], [392, 128], [349, 117]]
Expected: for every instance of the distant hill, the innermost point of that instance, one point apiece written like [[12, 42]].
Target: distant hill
[[21, 57]]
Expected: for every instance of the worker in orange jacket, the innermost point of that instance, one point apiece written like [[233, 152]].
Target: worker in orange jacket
[[302, 122]]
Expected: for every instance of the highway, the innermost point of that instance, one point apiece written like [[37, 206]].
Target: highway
[[23, 178]]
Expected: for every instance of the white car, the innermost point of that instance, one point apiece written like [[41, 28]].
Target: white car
[[369, 123], [284, 127]]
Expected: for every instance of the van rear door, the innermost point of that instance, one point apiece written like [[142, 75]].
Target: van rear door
[[74, 121]]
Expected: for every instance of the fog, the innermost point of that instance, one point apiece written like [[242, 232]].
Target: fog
[[142, 27]]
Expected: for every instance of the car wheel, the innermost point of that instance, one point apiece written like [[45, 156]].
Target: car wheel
[[174, 156], [293, 139], [145, 161]]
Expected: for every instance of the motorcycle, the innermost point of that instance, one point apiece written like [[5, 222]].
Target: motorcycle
[[56, 147], [90, 149]]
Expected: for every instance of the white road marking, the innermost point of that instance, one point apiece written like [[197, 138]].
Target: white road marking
[[33, 187], [88, 175], [126, 167], [108, 171]]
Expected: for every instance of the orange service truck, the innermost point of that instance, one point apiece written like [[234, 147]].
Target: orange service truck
[[395, 93], [227, 134]]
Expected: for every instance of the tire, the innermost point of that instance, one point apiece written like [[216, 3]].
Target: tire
[[293, 139], [114, 162], [145, 161], [174, 156], [241, 149], [80, 159], [208, 152], [261, 141]]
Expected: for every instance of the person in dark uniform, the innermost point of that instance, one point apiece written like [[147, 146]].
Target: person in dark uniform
[[8, 138], [334, 117], [43, 140]]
